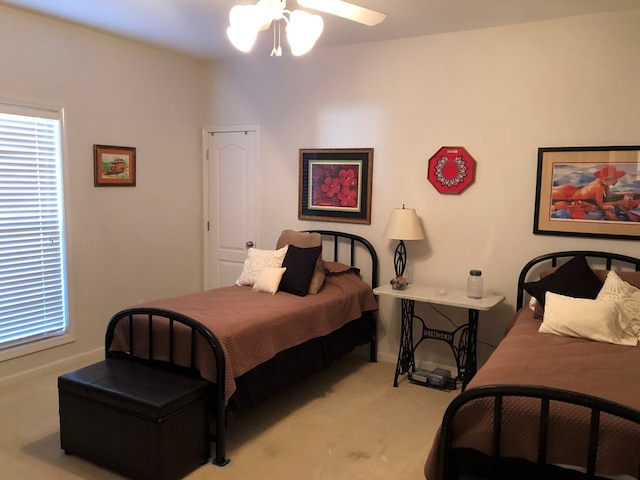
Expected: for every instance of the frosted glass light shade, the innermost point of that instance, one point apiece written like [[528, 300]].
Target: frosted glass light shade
[[404, 224], [242, 38], [243, 26], [303, 30]]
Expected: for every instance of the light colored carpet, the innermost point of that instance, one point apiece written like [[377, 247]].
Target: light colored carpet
[[345, 423]]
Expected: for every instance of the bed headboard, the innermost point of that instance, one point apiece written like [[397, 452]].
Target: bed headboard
[[352, 250], [601, 260]]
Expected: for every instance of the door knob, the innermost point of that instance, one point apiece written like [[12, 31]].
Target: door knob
[[249, 244]]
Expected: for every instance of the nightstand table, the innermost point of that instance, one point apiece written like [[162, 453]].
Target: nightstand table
[[463, 340]]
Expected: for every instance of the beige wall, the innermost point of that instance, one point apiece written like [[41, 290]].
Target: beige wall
[[500, 92], [125, 244]]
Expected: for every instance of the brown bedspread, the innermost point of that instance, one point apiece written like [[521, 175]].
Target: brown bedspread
[[253, 327], [526, 357]]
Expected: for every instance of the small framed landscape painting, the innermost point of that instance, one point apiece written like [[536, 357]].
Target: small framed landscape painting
[[114, 166]]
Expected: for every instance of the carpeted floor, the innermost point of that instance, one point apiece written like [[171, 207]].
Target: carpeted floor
[[346, 423]]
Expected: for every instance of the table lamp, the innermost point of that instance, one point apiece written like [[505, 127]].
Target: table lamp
[[403, 224]]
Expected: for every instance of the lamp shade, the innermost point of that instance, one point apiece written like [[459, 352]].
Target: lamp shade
[[404, 224]]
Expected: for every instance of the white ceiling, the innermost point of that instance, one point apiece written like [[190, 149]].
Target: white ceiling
[[198, 27]]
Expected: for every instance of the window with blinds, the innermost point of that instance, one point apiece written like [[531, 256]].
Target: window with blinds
[[33, 299]]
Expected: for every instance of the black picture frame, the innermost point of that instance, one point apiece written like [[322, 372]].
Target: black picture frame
[[335, 185]]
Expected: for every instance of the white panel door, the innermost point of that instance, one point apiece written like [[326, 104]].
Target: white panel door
[[231, 204]]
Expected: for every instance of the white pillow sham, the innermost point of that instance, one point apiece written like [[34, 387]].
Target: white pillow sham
[[268, 280], [599, 320], [258, 259], [628, 299]]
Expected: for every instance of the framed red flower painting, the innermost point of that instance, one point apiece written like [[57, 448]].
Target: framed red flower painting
[[335, 185]]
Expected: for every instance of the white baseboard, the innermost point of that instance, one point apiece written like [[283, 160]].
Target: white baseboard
[[69, 363]]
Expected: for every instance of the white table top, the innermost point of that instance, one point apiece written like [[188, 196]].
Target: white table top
[[451, 297]]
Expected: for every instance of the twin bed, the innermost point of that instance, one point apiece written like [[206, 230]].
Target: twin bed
[[558, 405], [253, 339], [560, 397]]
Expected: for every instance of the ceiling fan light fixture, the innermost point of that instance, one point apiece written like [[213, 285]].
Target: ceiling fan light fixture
[[344, 9], [244, 23], [266, 11], [303, 28], [303, 31], [242, 38]]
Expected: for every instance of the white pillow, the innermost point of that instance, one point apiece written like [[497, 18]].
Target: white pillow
[[258, 259], [628, 299], [598, 320], [268, 280]]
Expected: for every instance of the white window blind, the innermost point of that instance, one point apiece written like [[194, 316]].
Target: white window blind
[[32, 249]]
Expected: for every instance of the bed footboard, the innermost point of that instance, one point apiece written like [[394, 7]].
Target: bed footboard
[[601, 418], [164, 330]]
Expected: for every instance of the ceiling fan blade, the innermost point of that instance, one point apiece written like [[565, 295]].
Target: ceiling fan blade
[[346, 10]]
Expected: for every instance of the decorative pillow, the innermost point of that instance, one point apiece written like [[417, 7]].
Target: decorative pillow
[[628, 299], [258, 259], [573, 279], [632, 278], [268, 280], [305, 240], [336, 268], [599, 320], [300, 264], [628, 276], [536, 308]]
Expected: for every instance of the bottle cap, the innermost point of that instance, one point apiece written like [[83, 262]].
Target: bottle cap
[[475, 273]]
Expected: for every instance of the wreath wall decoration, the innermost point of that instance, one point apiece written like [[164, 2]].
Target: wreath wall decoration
[[451, 170]]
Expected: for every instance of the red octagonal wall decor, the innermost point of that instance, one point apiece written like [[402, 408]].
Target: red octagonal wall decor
[[451, 169]]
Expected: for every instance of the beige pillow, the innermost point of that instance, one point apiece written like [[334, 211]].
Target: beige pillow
[[306, 240], [258, 259], [268, 280], [627, 298], [599, 320]]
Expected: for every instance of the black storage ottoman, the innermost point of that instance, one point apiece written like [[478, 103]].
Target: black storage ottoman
[[139, 421]]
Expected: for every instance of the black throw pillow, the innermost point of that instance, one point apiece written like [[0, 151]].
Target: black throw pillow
[[300, 263], [573, 279]]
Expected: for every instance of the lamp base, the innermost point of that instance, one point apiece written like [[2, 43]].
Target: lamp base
[[399, 283], [400, 259]]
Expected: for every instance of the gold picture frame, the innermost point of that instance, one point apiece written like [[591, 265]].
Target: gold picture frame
[[588, 192]]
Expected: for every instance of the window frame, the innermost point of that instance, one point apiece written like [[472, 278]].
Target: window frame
[[43, 110]]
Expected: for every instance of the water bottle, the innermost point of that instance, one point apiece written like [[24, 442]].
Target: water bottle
[[474, 284]]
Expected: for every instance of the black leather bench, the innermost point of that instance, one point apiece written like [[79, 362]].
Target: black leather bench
[[141, 413], [139, 421]]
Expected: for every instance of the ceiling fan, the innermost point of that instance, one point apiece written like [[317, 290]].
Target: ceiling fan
[[303, 28], [346, 10]]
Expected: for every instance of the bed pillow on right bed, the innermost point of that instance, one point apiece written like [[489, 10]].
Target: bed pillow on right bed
[[627, 297], [599, 320], [573, 279]]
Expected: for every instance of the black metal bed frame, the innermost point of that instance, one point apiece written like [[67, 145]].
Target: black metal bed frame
[[610, 260], [596, 406], [545, 394], [156, 316]]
